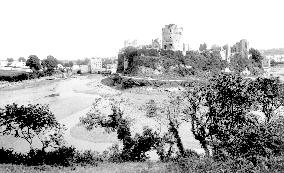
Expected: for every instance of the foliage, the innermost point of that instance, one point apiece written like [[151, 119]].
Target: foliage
[[170, 62], [33, 62], [68, 64], [49, 64], [120, 63], [241, 165], [22, 59], [239, 63], [28, 122], [148, 52], [256, 57], [85, 61], [134, 148], [222, 117], [206, 61], [15, 76], [171, 113], [10, 59]]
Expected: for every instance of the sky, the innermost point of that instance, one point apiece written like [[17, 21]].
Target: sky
[[72, 29]]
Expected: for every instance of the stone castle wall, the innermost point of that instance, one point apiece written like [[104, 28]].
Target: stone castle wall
[[172, 37]]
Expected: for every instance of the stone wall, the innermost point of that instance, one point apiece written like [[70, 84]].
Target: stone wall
[[172, 37]]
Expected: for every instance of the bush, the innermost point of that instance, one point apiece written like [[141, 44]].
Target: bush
[[87, 157], [9, 156], [134, 149], [14, 76]]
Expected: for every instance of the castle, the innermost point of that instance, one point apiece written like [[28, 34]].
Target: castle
[[172, 39], [241, 47]]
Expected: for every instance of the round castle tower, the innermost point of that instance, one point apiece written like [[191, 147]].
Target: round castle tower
[[172, 37]]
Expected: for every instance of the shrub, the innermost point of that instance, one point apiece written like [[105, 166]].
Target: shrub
[[134, 149], [87, 157], [9, 156]]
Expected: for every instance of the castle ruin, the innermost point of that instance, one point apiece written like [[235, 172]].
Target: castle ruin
[[172, 37]]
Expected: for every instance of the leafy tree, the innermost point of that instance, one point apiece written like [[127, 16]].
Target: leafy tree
[[68, 64], [22, 59], [120, 63], [50, 63], [256, 57], [223, 118], [128, 55], [206, 61], [33, 62], [134, 149], [239, 63], [10, 59], [171, 112], [31, 121], [85, 61]]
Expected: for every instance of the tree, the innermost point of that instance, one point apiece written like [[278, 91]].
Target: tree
[[49, 64], [28, 122], [33, 62], [223, 116], [134, 148], [239, 63], [256, 57], [202, 47], [22, 59], [10, 59], [171, 112], [85, 61], [68, 64]]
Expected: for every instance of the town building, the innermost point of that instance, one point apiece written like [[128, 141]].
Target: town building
[[225, 52], [3, 63], [172, 37], [20, 64], [96, 65]]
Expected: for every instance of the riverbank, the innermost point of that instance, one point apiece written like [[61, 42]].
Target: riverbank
[[72, 98]]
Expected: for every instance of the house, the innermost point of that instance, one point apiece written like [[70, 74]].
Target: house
[[20, 64], [96, 65], [3, 63]]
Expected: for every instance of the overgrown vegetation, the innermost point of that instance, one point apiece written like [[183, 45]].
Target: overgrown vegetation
[[134, 148], [131, 60], [15, 76], [125, 83], [237, 121], [224, 119]]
